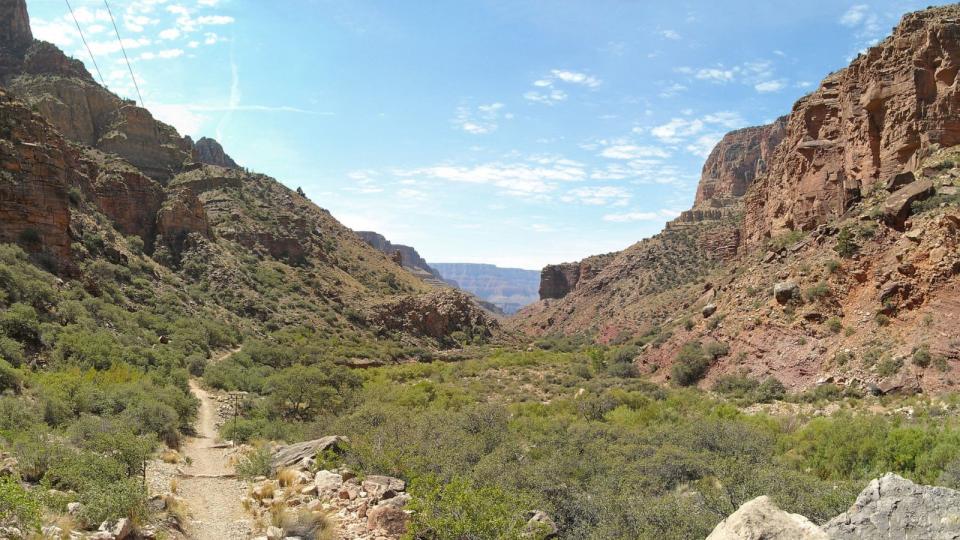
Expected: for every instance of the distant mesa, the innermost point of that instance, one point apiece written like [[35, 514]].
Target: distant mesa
[[510, 289]]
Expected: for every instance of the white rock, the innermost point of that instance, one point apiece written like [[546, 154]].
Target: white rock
[[760, 519]]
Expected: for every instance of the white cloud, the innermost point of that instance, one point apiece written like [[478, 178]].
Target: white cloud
[[547, 98], [187, 121], [670, 34], [855, 15], [208, 3], [704, 144], [679, 129], [598, 196], [170, 33], [170, 53], [536, 177], [715, 74], [769, 86], [632, 151], [214, 20], [672, 90], [481, 120], [574, 77], [629, 217]]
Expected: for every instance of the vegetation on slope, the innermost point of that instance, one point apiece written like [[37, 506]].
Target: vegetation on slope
[[605, 453]]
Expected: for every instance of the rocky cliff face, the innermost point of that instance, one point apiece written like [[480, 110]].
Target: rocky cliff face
[[558, 280], [36, 168], [856, 206], [409, 258], [881, 115], [15, 27], [79, 108], [208, 151], [735, 162]]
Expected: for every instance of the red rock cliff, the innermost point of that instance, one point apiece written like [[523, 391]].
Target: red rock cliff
[[736, 161], [866, 122]]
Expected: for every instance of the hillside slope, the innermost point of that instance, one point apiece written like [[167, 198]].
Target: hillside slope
[[89, 176], [814, 206]]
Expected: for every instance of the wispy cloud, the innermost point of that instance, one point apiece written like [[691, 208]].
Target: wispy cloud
[[598, 196], [546, 89], [628, 217], [482, 119]]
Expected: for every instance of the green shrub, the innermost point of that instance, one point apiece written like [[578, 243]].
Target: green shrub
[[817, 292], [18, 507], [889, 366], [20, 321], [846, 245], [832, 266], [691, 364], [110, 502], [255, 463], [921, 356], [835, 325], [10, 377], [457, 509]]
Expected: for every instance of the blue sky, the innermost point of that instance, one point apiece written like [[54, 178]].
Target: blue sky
[[513, 132]]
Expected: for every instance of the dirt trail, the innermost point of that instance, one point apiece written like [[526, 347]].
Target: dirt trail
[[208, 484]]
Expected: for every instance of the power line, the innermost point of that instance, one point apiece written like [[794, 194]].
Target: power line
[[84, 40], [122, 48]]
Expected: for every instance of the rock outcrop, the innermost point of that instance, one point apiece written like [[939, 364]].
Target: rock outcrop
[[558, 280], [15, 31], [761, 519], [736, 161], [894, 507], [208, 151], [436, 314], [36, 169], [409, 258], [865, 123]]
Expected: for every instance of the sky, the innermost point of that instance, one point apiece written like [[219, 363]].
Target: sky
[[514, 132]]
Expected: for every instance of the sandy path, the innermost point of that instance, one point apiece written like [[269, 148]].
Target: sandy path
[[208, 484]]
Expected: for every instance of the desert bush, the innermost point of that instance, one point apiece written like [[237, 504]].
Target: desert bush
[[846, 245], [690, 365], [109, 502], [255, 463], [457, 509], [18, 506]]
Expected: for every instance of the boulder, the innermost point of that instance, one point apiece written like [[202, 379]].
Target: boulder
[[327, 482], [389, 516], [383, 487], [897, 207], [894, 507], [897, 181], [274, 533], [709, 310], [761, 519], [786, 291], [289, 456]]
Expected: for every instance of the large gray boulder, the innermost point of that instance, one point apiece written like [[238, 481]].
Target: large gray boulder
[[295, 454], [892, 507], [761, 519]]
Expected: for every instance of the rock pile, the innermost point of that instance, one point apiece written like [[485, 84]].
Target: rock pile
[[369, 508]]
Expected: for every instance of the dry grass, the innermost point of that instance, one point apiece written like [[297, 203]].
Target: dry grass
[[174, 485], [170, 456], [303, 523], [265, 492], [177, 508], [288, 477]]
